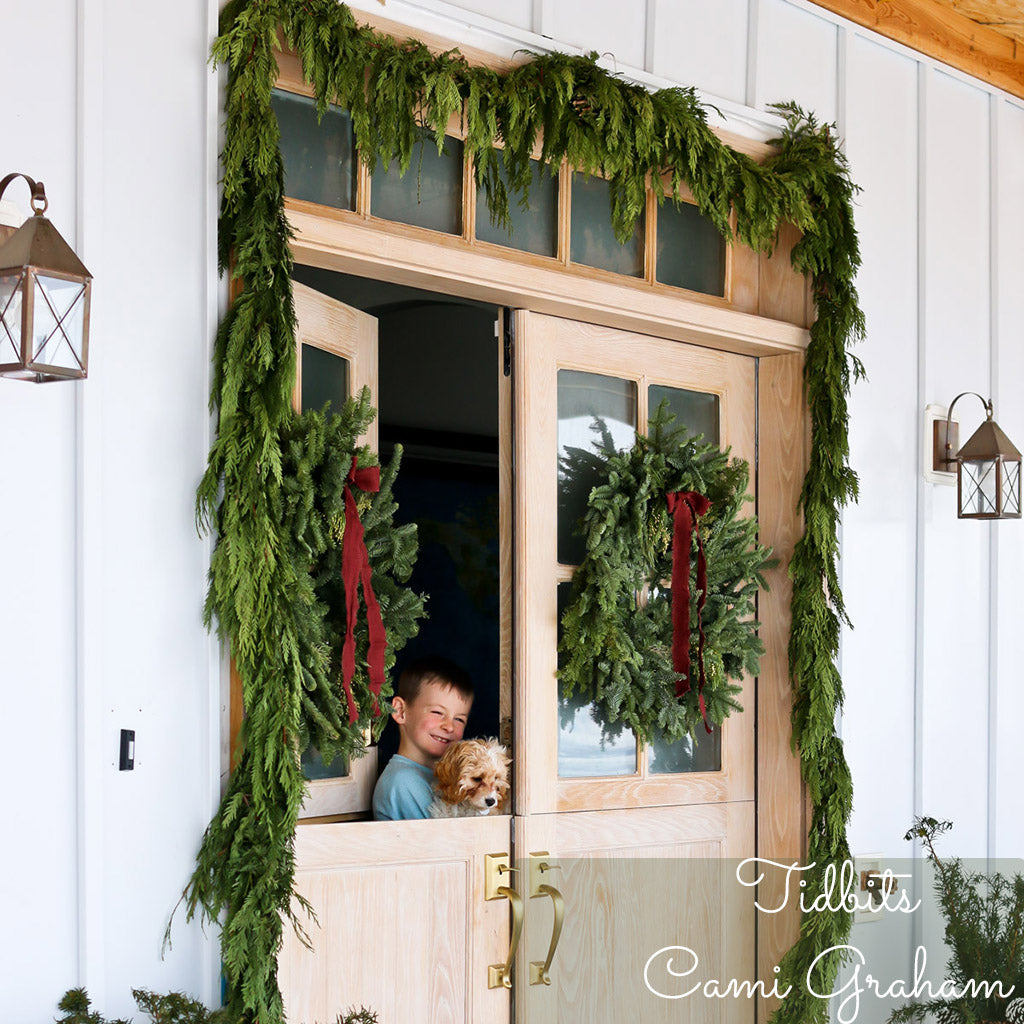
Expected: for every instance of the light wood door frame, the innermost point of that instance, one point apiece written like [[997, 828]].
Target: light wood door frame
[[783, 444]]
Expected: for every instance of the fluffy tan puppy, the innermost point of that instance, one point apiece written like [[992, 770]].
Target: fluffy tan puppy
[[472, 779]]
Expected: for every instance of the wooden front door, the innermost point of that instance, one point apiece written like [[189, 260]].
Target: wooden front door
[[402, 925], [636, 845]]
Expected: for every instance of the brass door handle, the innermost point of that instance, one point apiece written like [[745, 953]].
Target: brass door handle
[[500, 975], [539, 971]]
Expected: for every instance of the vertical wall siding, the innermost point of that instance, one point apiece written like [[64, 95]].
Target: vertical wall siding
[[954, 618], [797, 59], [693, 48], [1007, 822], [38, 927], [879, 562]]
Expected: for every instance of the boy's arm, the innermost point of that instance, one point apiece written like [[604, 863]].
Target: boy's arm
[[407, 798]]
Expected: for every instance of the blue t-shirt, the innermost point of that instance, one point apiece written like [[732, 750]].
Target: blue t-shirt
[[403, 791]]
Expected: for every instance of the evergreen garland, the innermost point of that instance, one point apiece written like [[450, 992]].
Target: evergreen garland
[[618, 655], [265, 601]]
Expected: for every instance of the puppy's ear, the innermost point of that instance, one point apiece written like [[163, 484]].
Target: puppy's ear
[[449, 774]]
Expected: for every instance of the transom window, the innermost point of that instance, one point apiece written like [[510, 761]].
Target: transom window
[[568, 220]]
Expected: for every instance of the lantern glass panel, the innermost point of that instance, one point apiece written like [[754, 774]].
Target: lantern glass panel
[[1011, 488], [58, 322], [10, 317], [978, 488]]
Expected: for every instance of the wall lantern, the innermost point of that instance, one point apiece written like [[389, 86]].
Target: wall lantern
[[988, 466], [44, 299]]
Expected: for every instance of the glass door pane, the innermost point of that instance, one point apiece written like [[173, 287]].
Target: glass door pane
[[586, 747], [324, 379], [698, 411], [595, 414]]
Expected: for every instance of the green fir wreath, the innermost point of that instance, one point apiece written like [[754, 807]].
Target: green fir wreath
[[616, 646]]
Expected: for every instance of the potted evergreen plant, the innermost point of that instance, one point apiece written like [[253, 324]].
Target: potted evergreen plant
[[984, 916]]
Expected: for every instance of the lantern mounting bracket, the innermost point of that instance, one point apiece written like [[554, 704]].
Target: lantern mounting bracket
[[945, 456]]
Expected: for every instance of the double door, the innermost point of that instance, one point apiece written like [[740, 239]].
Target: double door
[[610, 890]]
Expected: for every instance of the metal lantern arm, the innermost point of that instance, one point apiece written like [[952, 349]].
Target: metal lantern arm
[[987, 402], [39, 200]]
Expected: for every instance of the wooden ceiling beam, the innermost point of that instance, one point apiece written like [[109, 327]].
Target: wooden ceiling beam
[[943, 33]]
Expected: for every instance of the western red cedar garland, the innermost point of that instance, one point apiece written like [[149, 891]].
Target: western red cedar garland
[[270, 484]]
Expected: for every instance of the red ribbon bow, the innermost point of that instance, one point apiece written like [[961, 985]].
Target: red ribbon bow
[[686, 507], [355, 568]]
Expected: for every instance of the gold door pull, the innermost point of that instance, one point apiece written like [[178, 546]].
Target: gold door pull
[[495, 866], [539, 971], [500, 975]]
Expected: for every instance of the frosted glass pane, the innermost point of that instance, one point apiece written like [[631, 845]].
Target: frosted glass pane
[[10, 318], [978, 487], [314, 766], [691, 252], [430, 193], [324, 379], [319, 156], [695, 410], [592, 240], [1011, 488], [534, 229], [585, 750], [57, 322], [703, 754], [594, 413]]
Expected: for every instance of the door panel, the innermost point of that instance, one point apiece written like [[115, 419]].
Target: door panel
[[634, 883], [545, 347], [332, 327], [402, 925], [336, 358], [642, 858]]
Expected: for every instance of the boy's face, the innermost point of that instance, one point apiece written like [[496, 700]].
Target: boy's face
[[430, 722]]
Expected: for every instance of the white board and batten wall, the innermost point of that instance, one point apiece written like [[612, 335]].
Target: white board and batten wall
[[100, 607]]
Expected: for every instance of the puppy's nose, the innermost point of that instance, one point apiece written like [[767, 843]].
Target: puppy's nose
[[490, 801]]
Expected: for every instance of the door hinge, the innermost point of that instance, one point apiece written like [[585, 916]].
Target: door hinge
[[508, 338]]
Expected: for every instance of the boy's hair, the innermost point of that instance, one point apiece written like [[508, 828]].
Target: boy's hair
[[433, 668]]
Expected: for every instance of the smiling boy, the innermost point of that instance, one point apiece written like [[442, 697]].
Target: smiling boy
[[430, 708]]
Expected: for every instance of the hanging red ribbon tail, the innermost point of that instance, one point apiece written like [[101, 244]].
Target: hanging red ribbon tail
[[686, 507], [355, 569]]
